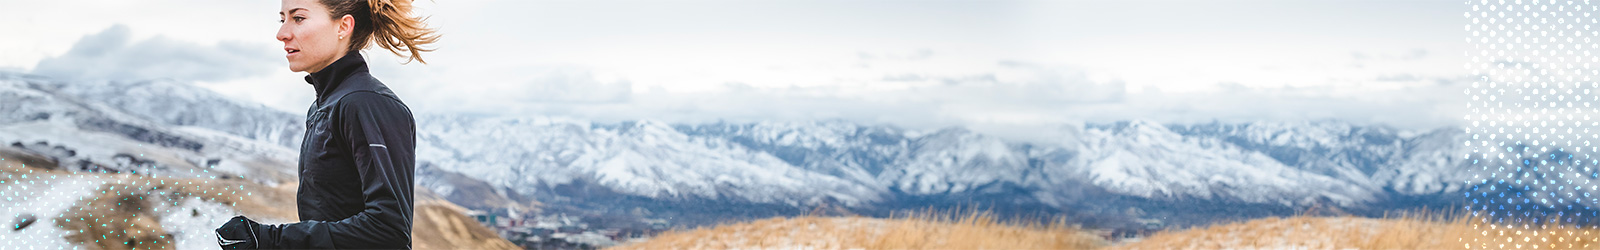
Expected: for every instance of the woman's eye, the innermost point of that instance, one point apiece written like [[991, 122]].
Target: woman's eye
[[298, 19]]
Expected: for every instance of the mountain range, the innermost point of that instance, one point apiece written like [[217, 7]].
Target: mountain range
[[1097, 173]]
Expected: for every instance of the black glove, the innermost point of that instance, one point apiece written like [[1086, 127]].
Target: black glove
[[239, 233]]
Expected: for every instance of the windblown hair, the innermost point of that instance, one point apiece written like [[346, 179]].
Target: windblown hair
[[387, 23]]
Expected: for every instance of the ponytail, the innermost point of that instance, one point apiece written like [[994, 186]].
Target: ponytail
[[388, 23]]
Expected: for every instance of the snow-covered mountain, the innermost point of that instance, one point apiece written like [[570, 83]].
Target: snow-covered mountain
[[90, 130], [646, 159], [1263, 162], [795, 166], [181, 104]]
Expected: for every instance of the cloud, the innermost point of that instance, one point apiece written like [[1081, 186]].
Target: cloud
[[919, 54], [1408, 55], [440, 89], [1418, 107], [575, 87], [110, 55]]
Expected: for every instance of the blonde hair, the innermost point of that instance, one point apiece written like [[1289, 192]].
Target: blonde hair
[[388, 23]]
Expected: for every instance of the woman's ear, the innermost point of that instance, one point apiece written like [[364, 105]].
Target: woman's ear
[[347, 24]]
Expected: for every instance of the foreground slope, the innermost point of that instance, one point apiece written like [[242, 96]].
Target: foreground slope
[[976, 231]]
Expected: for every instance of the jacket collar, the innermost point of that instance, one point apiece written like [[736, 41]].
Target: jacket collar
[[329, 78]]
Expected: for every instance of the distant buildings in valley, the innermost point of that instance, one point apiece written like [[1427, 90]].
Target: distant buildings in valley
[[563, 231]]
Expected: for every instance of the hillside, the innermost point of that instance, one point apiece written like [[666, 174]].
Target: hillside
[[168, 213]]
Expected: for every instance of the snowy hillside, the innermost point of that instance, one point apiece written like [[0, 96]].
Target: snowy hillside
[[99, 148]]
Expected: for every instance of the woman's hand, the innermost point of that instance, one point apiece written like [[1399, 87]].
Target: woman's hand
[[238, 233]]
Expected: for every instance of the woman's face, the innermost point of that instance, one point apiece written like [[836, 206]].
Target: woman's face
[[311, 38]]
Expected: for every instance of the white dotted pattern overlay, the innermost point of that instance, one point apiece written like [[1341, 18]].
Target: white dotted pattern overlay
[[1532, 123]]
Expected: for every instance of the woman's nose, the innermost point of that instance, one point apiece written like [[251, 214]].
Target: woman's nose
[[283, 33]]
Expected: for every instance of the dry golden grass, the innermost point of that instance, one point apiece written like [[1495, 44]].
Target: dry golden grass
[[115, 221], [125, 223], [981, 231], [970, 231], [1404, 232]]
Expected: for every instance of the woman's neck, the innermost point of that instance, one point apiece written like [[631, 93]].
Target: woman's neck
[[335, 58]]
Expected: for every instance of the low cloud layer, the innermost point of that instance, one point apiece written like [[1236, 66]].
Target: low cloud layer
[[112, 55], [1010, 98], [920, 89], [1001, 65]]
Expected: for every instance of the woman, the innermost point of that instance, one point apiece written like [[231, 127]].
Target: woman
[[356, 161]]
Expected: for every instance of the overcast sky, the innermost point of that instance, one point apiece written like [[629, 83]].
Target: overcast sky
[[984, 64]]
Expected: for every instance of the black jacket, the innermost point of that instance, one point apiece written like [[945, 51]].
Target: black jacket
[[356, 165]]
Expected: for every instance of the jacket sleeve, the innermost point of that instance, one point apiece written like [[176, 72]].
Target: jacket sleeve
[[380, 133]]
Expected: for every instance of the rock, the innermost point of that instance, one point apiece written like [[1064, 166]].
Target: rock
[[28, 158], [23, 221]]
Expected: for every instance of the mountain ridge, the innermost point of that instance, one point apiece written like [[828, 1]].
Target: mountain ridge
[[795, 166]]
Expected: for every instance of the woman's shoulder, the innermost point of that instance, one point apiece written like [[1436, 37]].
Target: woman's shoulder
[[371, 107], [363, 87], [365, 94]]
